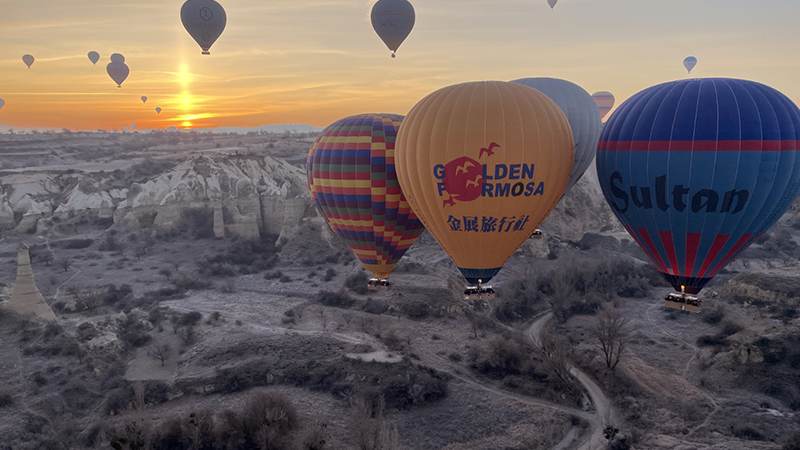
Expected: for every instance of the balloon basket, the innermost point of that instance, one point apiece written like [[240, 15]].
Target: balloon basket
[[479, 292], [683, 302], [376, 284], [537, 234], [206, 52]]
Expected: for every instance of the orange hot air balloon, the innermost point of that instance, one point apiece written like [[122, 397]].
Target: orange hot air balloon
[[482, 164]]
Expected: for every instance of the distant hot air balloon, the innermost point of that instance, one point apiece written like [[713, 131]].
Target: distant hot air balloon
[[28, 60], [697, 169], [158, 110], [552, 3], [605, 102], [690, 62], [117, 69], [93, 57], [2, 103], [144, 99], [482, 164], [205, 21], [352, 177], [581, 112], [393, 20]]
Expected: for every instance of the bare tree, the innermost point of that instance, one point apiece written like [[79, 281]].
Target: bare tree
[[368, 424], [65, 263], [556, 354], [611, 332], [160, 352]]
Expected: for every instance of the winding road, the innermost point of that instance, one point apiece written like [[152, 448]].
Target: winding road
[[604, 412]]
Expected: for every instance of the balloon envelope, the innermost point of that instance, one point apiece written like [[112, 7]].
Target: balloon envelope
[[698, 169], [117, 58], [158, 110], [2, 103], [393, 20], [605, 102], [144, 99], [690, 62], [93, 57], [482, 164], [552, 3], [28, 60], [118, 71], [581, 112], [205, 21], [352, 177]]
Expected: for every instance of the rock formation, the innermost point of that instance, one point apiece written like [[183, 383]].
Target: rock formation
[[26, 300]]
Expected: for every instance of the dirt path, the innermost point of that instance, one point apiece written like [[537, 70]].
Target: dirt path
[[604, 412]]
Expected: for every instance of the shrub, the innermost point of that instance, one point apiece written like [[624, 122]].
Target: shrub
[[416, 309], [794, 441], [375, 306], [132, 332], [197, 222], [357, 283], [330, 274], [712, 341], [335, 299], [6, 400], [714, 316]]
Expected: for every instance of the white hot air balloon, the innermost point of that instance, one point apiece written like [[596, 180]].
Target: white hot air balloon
[[144, 99], [393, 20], [93, 57], [205, 21], [158, 110], [117, 69], [582, 114], [690, 62], [2, 103], [552, 3], [28, 60], [605, 102]]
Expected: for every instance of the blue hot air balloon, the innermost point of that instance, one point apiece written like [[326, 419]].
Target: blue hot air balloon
[[697, 169]]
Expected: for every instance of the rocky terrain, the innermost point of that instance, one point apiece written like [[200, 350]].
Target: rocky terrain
[[193, 284]]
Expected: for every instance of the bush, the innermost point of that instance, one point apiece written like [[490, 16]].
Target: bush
[[6, 400], [330, 274], [794, 441], [197, 222], [712, 341], [133, 332], [416, 309], [243, 256], [335, 299], [714, 316], [375, 306], [357, 283]]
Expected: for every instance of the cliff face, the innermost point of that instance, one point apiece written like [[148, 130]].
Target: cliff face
[[255, 195]]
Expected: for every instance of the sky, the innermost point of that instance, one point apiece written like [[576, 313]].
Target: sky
[[315, 61]]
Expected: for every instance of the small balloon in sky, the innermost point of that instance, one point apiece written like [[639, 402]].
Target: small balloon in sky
[[158, 110], [2, 103], [605, 102], [205, 21], [552, 3], [93, 57], [144, 99], [690, 62], [393, 20], [28, 60], [117, 69]]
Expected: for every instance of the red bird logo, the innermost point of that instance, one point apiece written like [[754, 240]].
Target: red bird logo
[[489, 151], [477, 182], [464, 168]]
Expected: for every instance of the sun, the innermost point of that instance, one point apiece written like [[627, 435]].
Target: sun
[[186, 124]]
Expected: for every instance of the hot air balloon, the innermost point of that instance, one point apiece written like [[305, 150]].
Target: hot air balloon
[[2, 103], [93, 57], [696, 170], [144, 99], [205, 21], [351, 174], [605, 102], [581, 112], [482, 164], [393, 20], [28, 60], [158, 110], [552, 3], [690, 62], [117, 69]]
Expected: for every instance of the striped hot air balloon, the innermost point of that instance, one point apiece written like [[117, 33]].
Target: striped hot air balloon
[[351, 174], [605, 102], [696, 170]]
